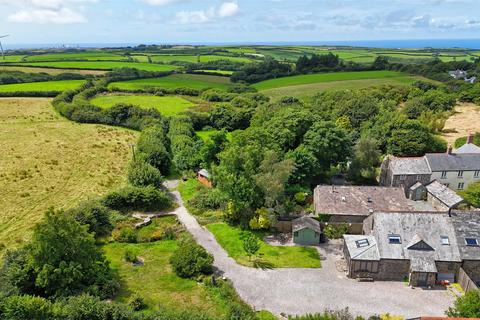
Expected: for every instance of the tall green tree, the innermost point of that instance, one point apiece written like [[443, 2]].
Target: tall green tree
[[365, 160], [467, 306]]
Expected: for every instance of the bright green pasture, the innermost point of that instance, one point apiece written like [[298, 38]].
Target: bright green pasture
[[325, 77], [42, 86], [13, 58], [194, 81], [195, 58], [231, 239], [222, 72], [101, 65], [88, 55], [168, 105], [206, 134]]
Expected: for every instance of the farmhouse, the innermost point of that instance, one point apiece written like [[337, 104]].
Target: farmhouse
[[456, 170], [420, 247], [306, 231], [352, 204]]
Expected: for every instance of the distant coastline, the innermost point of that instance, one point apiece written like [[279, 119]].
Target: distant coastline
[[470, 44]]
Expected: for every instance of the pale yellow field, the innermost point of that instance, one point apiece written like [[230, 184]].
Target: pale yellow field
[[50, 161], [51, 70], [466, 119]]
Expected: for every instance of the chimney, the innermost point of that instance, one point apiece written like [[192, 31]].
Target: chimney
[[449, 149], [470, 138]]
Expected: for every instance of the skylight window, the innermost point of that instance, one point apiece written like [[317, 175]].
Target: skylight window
[[473, 242], [445, 240], [362, 243], [394, 239]]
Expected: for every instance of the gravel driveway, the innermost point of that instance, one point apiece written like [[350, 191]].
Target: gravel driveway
[[299, 291]]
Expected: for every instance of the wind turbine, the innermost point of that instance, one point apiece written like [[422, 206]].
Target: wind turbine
[[1, 48]]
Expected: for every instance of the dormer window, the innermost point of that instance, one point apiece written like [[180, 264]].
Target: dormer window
[[471, 242], [362, 243]]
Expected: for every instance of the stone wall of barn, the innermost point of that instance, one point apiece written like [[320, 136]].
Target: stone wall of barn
[[472, 268], [394, 270]]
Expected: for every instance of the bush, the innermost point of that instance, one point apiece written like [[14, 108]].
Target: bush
[[95, 215], [142, 174], [125, 234], [207, 199], [26, 308], [136, 302], [335, 231], [130, 255], [191, 260], [467, 306], [138, 198], [300, 197]]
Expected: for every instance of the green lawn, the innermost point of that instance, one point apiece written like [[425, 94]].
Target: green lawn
[[155, 281], [168, 105], [194, 81], [231, 239], [46, 86], [100, 65]]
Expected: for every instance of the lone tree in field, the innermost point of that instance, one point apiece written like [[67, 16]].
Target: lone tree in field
[[251, 245]]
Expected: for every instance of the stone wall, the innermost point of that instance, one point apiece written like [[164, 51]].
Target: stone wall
[[437, 204], [472, 268], [395, 270]]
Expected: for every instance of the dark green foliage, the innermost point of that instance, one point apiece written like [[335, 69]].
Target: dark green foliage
[[125, 234], [216, 95], [305, 165], [251, 245], [237, 309], [26, 308], [226, 117], [365, 161], [95, 215], [136, 302], [472, 194], [318, 63], [212, 147], [138, 198], [142, 174], [153, 147], [335, 231], [461, 141], [11, 77], [191, 260], [87, 307], [267, 69], [467, 306], [184, 143], [207, 199], [130, 255]]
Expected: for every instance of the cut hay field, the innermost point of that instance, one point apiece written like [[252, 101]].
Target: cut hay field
[[168, 105], [50, 70], [194, 81], [465, 120], [307, 85], [47, 86], [99, 65], [50, 161]]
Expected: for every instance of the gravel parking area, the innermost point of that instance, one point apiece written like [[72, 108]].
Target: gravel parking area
[[300, 291]]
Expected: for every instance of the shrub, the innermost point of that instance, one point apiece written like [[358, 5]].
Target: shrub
[[95, 215], [207, 199], [138, 198], [136, 302], [125, 234], [142, 174], [26, 308], [191, 260], [130, 255], [300, 197], [333, 231], [467, 306]]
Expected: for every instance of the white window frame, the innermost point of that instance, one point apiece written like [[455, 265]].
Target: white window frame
[[394, 237], [362, 243], [461, 185], [445, 240], [471, 245], [460, 174], [476, 174], [444, 175]]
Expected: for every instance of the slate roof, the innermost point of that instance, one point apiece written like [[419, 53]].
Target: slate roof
[[204, 173], [467, 225], [369, 252], [453, 162], [416, 186], [444, 194], [409, 165], [468, 148], [359, 200], [429, 227], [423, 264], [306, 223]]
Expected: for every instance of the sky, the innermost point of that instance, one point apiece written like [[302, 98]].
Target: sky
[[235, 21]]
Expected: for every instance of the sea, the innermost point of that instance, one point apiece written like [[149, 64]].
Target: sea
[[382, 44]]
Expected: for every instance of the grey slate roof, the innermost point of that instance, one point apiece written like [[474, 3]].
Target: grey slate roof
[[423, 264], [430, 227], [468, 148], [453, 162], [467, 225], [359, 200], [416, 186], [444, 194], [306, 223], [369, 252], [410, 165]]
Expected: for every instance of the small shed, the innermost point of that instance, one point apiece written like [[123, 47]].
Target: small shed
[[441, 197], [306, 231], [204, 178], [418, 192]]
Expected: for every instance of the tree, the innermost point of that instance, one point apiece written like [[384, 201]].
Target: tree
[[251, 245], [366, 159], [95, 215], [142, 174], [261, 220], [472, 194], [152, 147], [467, 306], [191, 260], [305, 165], [212, 147]]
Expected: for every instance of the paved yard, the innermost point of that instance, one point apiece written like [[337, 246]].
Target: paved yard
[[300, 291]]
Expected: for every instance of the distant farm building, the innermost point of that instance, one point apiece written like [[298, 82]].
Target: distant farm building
[[204, 178]]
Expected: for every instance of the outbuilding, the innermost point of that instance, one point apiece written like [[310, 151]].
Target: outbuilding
[[306, 231]]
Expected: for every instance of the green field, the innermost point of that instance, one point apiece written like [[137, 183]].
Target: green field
[[12, 58], [100, 65], [50, 70], [195, 58], [167, 106], [88, 55], [194, 81], [231, 239], [223, 72], [56, 86]]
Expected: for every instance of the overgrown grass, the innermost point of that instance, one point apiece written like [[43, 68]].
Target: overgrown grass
[[46, 86], [100, 65], [231, 239], [49, 161], [194, 81], [168, 105]]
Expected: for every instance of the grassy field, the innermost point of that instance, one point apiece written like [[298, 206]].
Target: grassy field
[[195, 58], [12, 58], [50, 70], [205, 134], [167, 106], [194, 81], [465, 120], [100, 65], [87, 55], [50, 161], [231, 239], [46, 86], [222, 72]]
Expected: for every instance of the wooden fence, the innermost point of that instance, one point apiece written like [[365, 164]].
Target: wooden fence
[[465, 282]]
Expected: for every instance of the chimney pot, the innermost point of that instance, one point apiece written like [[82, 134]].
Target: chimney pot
[[449, 149], [470, 138]]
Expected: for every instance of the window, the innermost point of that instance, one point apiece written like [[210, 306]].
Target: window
[[471, 242], [476, 174], [445, 240], [461, 185], [362, 243], [295, 234], [460, 174], [447, 185], [444, 174], [418, 177], [394, 239], [403, 177]]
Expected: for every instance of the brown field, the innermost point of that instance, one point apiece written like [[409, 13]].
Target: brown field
[[52, 70], [465, 119], [49, 161]]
